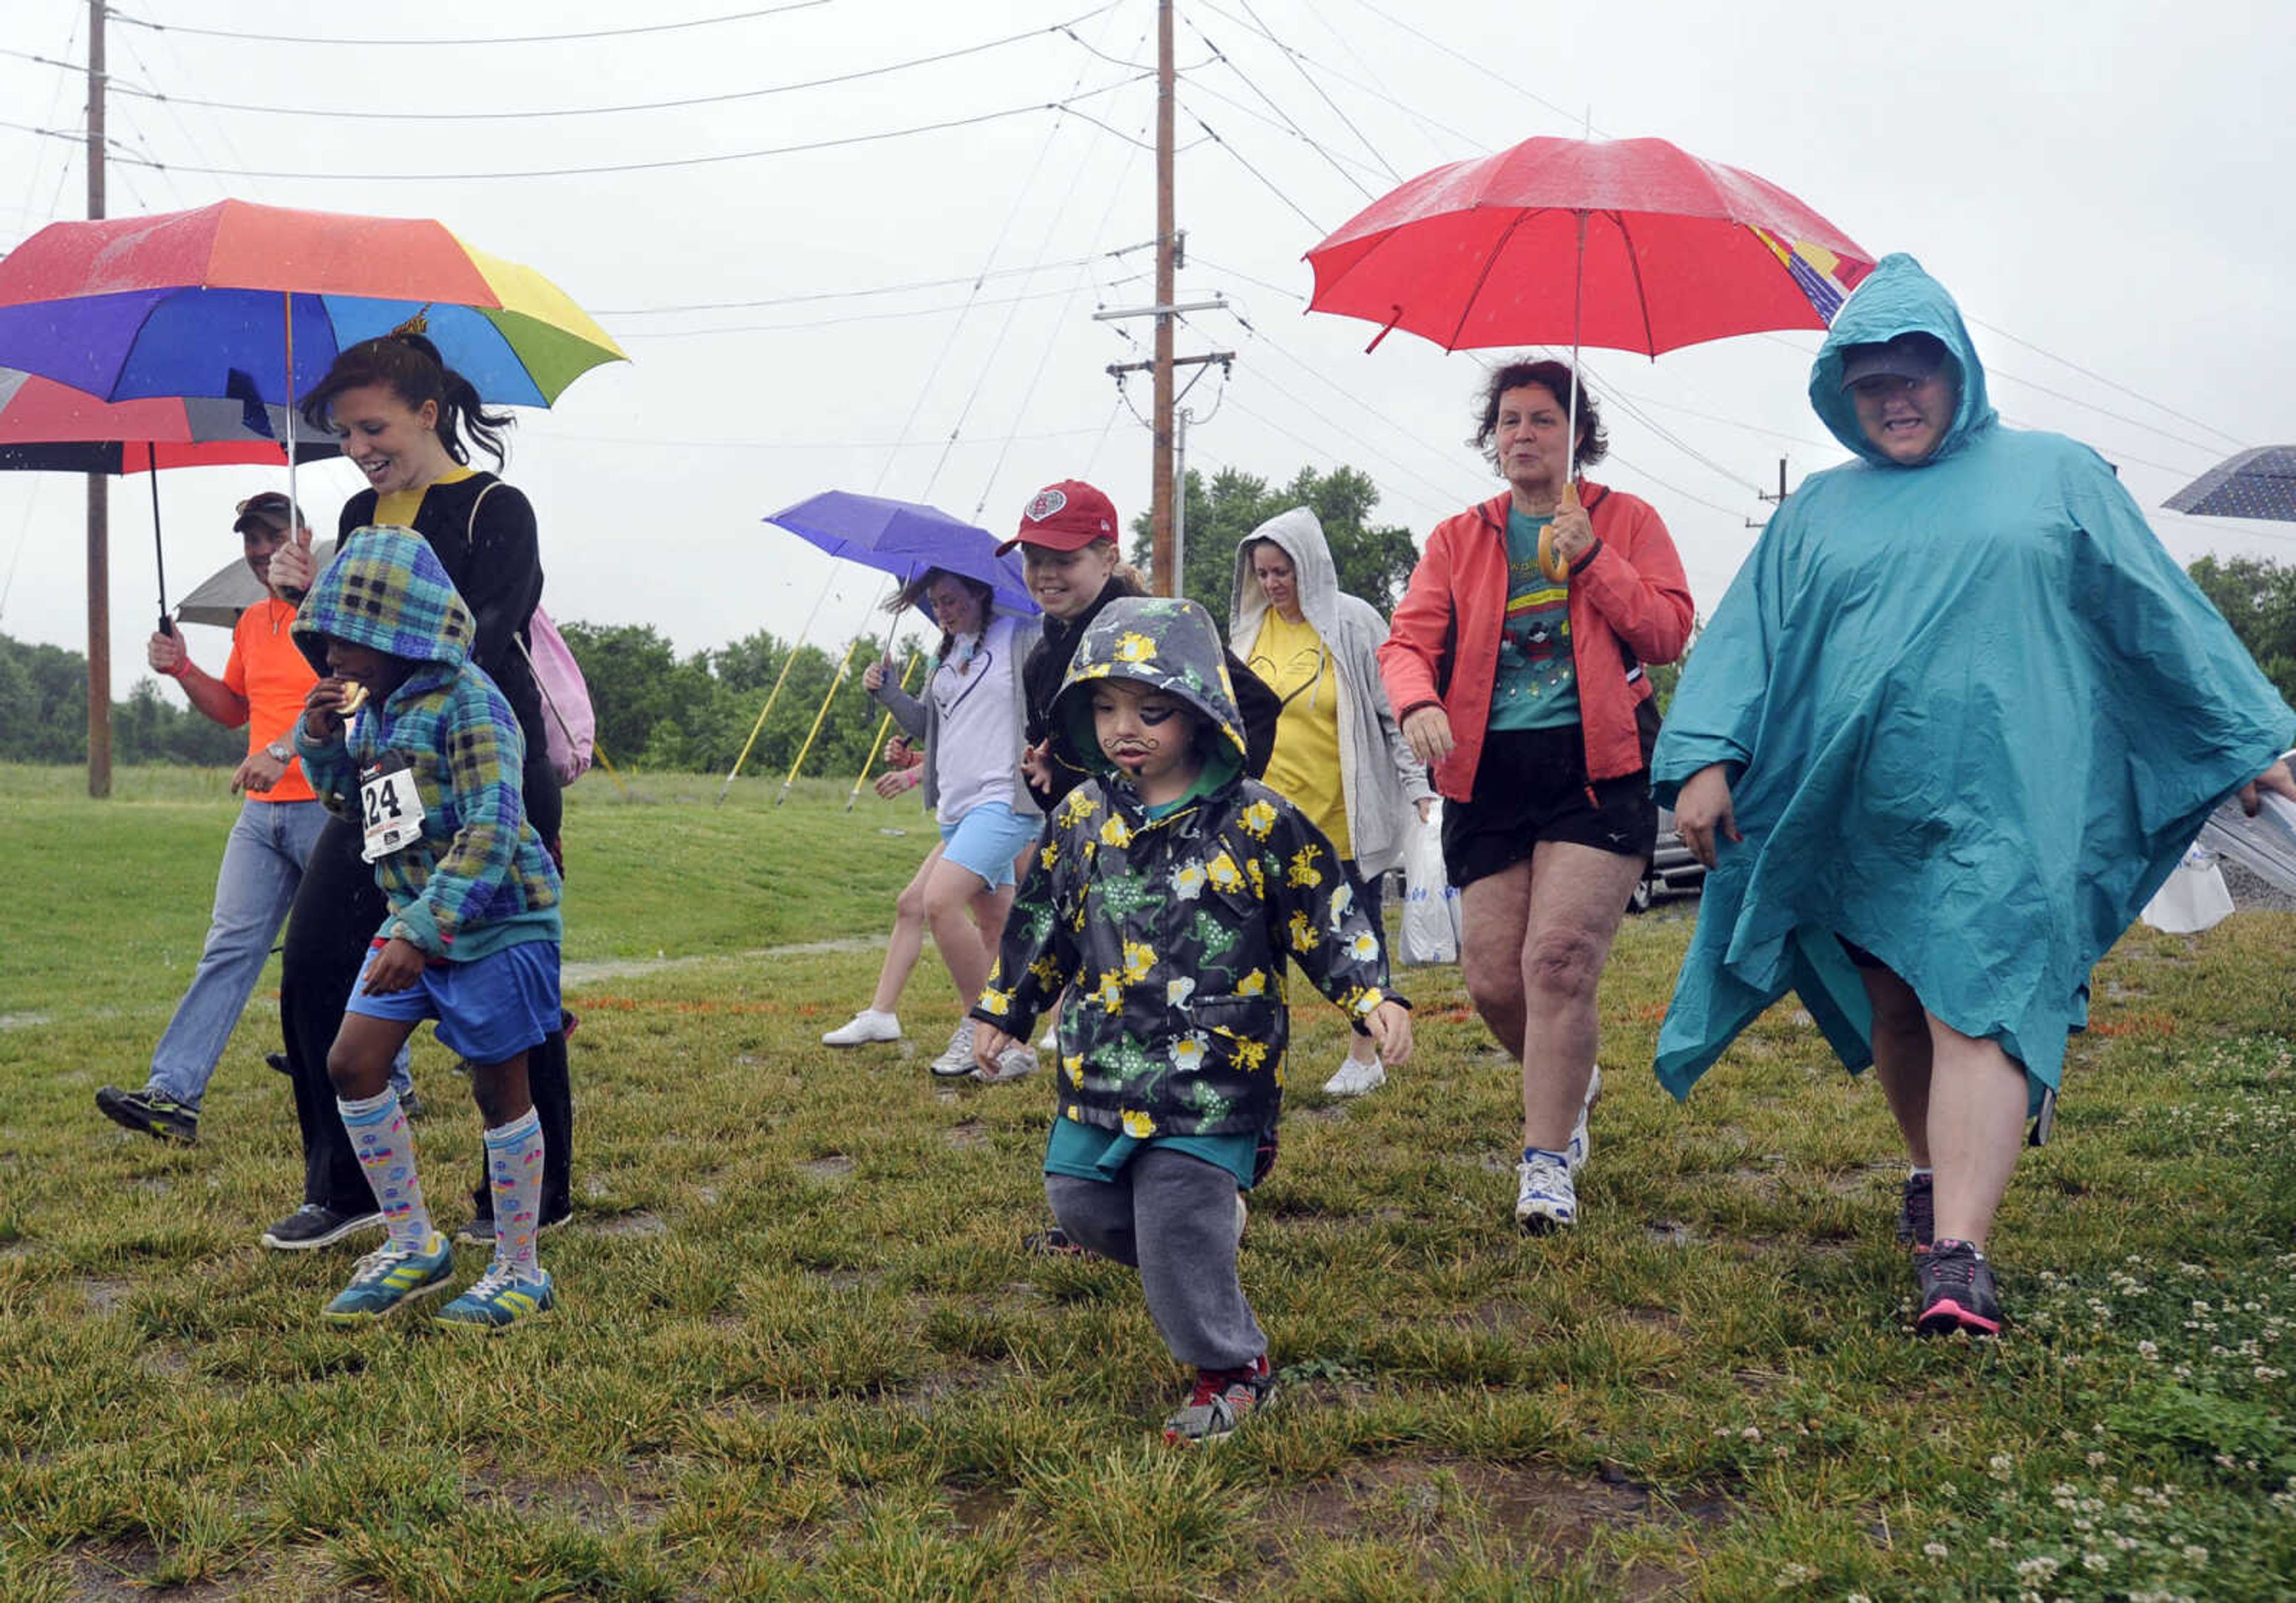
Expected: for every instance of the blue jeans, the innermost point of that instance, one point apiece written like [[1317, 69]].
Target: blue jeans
[[262, 865]]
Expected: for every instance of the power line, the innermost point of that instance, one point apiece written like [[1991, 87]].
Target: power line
[[1201, 86], [1572, 117], [1372, 90], [1314, 144], [824, 322], [1348, 121], [2098, 377], [645, 166], [788, 300], [547, 38], [1241, 161], [338, 112]]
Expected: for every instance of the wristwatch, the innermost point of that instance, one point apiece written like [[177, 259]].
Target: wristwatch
[[279, 751]]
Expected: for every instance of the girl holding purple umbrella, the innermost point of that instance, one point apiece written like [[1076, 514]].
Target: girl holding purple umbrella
[[971, 719]]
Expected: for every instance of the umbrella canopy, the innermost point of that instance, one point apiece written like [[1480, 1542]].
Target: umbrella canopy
[[903, 538], [1627, 244], [210, 302], [46, 427], [231, 589], [2255, 484]]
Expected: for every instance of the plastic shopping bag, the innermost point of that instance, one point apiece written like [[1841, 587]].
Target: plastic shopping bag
[[2194, 897], [1430, 906]]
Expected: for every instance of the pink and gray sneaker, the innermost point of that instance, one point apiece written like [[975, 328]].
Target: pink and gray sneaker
[[1956, 1291]]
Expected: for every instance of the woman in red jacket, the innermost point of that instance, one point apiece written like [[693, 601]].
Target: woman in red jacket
[[1515, 664]]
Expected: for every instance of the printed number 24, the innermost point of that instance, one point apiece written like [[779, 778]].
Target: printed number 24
[[380, 797]]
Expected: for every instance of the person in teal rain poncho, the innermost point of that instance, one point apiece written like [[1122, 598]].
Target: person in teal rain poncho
[[1958, 717]]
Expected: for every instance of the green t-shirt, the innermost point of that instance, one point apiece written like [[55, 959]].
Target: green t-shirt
[[1538, 684]]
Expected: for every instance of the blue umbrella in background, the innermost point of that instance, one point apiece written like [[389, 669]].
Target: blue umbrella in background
[[903, 538], [2255, 484]]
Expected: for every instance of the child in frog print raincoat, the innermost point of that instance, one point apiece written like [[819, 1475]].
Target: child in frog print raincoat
[[1167, 892]]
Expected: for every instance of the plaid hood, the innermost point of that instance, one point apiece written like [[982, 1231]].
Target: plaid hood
[[1167, 645], [385, 589]]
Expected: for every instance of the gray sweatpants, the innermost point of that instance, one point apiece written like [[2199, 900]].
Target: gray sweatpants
[[1172, 1217]]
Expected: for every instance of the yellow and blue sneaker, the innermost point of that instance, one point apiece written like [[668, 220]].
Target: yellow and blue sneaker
[[498, 1299], [389, 1276]]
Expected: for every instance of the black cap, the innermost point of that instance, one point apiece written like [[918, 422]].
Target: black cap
[[1914, 356], [269, 508]]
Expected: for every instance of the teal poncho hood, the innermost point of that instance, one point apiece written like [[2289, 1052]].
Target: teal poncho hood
[[1897, 298], [1973, 714]]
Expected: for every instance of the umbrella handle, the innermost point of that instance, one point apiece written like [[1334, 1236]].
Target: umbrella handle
[[1550, 560]]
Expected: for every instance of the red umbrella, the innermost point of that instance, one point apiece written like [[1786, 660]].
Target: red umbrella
[[46, 427], [1628, 244]]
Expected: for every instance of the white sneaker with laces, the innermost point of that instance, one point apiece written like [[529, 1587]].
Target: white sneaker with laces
[[1575, 1149], [1355, 1078], [957, 1062], [865, 1027], [1014, 1063], [1544, 1198]]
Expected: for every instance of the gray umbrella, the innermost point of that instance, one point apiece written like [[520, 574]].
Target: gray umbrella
[[2255, 484], [224, 594]]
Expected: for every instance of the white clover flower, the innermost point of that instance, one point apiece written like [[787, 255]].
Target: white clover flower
[[1937, 1549]]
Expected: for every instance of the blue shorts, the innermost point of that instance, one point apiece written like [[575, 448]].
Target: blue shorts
[[489, 1009], [986, 840]]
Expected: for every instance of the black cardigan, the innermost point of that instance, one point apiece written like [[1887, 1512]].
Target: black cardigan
[[497, 565]]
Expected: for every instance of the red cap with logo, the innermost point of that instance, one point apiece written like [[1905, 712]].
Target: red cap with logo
[[1067, 515]]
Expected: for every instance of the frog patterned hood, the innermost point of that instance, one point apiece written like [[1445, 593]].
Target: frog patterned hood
[[1167, 645]]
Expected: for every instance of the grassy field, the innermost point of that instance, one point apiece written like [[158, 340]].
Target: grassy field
[[800, 1355]]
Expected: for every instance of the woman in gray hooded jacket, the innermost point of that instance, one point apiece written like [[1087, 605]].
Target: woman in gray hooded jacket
[[1340, 756]]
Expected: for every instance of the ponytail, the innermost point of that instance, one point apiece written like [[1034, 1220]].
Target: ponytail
[[407, 363]]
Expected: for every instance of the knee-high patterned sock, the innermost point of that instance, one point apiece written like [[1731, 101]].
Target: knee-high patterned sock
[[514, 1169], [386, 1151]]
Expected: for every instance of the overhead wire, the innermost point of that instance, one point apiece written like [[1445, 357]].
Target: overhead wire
[[380, 114], [1202, 86], [1250, 83], [548, 39], [2098, 377], [1035, 383], [805, 324], [1044, 251], [1466, 142], [1573, 119], [817, 295], [1243, 161], [666, 163], [1307, 77]]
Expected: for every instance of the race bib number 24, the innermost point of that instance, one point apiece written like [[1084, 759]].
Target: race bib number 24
[[389, 806]]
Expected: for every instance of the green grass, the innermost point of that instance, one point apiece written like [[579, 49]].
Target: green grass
[[799, 1355]]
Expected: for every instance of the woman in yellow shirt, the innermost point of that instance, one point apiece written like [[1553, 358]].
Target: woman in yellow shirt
[[1340, 758]]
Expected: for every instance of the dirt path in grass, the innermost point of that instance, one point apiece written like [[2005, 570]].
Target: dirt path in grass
[[624, 967]]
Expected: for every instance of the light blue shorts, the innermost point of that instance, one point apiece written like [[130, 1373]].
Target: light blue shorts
[[986, 840], [489, 1009]]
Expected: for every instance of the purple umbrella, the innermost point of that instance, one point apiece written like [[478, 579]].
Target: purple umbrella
[[2255, 484], [903, 538]]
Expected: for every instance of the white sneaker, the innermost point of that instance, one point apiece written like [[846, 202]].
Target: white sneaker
[[1544, 1198], [1242, 1218], [1014, 1063], [865, 1027], [1355, 1078], [956, 1062], [1052, 1039], [1575, 1149]]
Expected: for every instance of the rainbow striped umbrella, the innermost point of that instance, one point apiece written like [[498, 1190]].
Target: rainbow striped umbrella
[[236, 298]]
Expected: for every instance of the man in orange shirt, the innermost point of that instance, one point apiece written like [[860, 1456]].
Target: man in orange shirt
[[263, 687]]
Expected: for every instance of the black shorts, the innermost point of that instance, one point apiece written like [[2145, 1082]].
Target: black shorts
[[1531, 785]]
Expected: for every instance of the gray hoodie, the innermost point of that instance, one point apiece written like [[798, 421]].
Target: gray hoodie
[[1380, 780]]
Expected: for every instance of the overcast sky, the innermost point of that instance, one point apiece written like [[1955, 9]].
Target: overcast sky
[[2102, 186]]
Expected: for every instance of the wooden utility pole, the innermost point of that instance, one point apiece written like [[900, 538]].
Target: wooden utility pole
[[1161, 488], [99, 501]]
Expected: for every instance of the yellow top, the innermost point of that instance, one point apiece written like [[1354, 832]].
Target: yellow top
[[1305, 766], [398, 507]]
